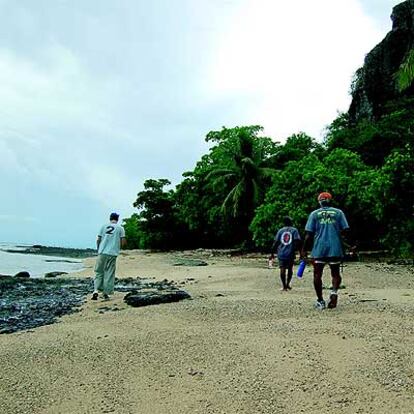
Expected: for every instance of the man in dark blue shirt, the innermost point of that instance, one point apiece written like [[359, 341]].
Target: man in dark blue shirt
[[286, 242]]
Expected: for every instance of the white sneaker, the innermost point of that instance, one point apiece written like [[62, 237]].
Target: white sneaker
[[320, 305]]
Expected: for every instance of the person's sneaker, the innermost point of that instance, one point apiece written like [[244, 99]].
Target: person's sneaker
[[333, 300], [320, 305], [105, 296], [94, 296]]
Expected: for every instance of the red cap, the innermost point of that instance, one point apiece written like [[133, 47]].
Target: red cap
[[324, 196]]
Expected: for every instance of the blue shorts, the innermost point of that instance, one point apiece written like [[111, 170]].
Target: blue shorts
[[286, 263]]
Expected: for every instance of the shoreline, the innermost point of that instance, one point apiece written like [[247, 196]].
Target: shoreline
[[40, 262]]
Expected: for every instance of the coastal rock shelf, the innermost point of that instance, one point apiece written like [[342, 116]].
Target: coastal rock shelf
[[53, 251], [30, 303]]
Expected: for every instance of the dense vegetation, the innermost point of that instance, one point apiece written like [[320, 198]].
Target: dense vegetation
[[239, 191]]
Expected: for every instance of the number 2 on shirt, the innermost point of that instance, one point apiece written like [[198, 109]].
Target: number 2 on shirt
[[110, 230]]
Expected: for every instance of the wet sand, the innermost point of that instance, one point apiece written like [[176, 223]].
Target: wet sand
[[240, 346]]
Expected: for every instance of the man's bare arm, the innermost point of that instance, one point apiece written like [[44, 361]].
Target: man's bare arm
[[348, 243], [98, 242], [306, 244], [273, 249], [298, 246], [123, 242]]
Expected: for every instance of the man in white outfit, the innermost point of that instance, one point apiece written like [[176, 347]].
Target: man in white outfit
[[110, 239]]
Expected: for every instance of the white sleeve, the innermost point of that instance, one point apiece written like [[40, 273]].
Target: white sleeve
[[101, 231]]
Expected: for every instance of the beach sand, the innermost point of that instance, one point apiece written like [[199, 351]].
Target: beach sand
[[240, 346]]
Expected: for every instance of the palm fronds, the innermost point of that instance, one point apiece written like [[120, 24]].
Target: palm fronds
[[405, 74]]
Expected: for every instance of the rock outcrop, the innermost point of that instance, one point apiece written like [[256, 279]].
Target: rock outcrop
[[55, 274], [374, 85], [24, 275], [27, 303], [137, 299]]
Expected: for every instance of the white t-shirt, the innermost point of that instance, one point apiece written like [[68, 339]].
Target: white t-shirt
[[111, 235]]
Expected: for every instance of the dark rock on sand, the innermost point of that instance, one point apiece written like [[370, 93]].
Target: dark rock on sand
[[190, 262], [401, 262], [54, 274], [61, 261], [137, 299], [104, 309], [23, 275], [132, 284]]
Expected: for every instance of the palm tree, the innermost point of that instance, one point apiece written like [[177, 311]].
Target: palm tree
[[244, 177], [405, 74]]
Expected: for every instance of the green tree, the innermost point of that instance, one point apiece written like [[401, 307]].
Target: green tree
[[133, 232], [374, 140], [395, 201], [241, 174], [295, 148], [295, 189], [156, 220], [405, 74]]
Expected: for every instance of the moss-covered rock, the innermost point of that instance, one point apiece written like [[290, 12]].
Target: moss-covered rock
[[374, 84]]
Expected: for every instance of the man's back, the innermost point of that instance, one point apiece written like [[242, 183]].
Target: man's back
[[111, 235], [326, 224], [287, 237]]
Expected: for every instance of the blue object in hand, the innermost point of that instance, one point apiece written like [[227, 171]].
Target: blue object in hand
[[301, 269]]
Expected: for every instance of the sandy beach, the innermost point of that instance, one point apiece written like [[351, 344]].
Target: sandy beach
[[239, 346]]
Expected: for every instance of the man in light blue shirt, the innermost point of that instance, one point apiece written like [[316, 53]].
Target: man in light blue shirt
[[325, 225], [110, 239]]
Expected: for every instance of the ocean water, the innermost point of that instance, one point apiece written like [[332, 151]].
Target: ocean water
[[36, 265]]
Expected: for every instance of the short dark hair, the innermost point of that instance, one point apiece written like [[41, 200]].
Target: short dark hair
[[114, 216], [287, 221]]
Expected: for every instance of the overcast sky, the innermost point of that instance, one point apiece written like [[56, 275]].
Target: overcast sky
[[99, 95]]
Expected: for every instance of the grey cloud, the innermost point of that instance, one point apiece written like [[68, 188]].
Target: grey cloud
[[99, 95]]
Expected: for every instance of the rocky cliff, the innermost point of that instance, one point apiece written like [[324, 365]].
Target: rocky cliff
[[374, 84]]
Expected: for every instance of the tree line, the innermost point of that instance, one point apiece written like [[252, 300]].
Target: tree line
[[239, 192]]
